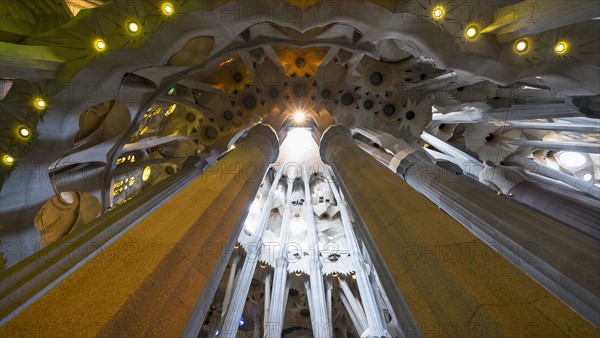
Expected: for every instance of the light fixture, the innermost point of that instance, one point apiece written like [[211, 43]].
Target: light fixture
[[133, 27], [571, 159], [40, 103], [8, 160], [521, 45], [24, 132], [146, 173], [167, 8], [587, 177], [471, 32], [561, 47], [100, 45], [299, 117], [438, 12]]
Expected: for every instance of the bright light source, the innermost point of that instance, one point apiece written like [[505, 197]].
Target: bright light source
[[471, 32], [232, 147], [521, 45], [561, 47], [146, 173], [299, 116], [299, 147], [587, 177], [40, 103], [571, 159], [9, 160], [100, 45], [242, 321], [254, 217], [24, 132], [297, 226], [438, 12], [167, 8], [133, 27]]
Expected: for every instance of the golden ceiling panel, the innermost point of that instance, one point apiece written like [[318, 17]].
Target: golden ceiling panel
[[301, 61]]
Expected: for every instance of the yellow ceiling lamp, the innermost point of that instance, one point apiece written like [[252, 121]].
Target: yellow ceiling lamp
[[8, 160], [521, 46], [438, 12], [471, 32], [100, 45], [133, 27], [24, 132], [167, 8], [301, 61], [561, 48], [40, 103]]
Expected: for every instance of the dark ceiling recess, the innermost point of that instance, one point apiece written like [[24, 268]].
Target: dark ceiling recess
[[273, 93], [250, 101], [238, 77], [376, 78], [347, 99], [228, 115], [389, 109], [368, 104], [326, 93], [410, 115], [299, 90]]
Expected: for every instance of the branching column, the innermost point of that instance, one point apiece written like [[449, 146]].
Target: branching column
[[165, 270], [234, 313], [274, 322], [320, 325], [448, 278], [374, 316]]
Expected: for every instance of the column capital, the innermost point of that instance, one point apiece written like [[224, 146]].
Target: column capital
[[330, 133], [269, 133]]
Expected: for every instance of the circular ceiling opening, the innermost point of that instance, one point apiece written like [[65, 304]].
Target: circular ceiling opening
[[347, 99], [389, 109], [376, 78]]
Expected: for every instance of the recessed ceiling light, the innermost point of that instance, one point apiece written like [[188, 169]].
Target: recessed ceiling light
[[561, 47], [24, 132], [40, 103], [521, 45], [438, 12], [100, 45], [9, 160], [471, 32], [133, 27], [167, 8]]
